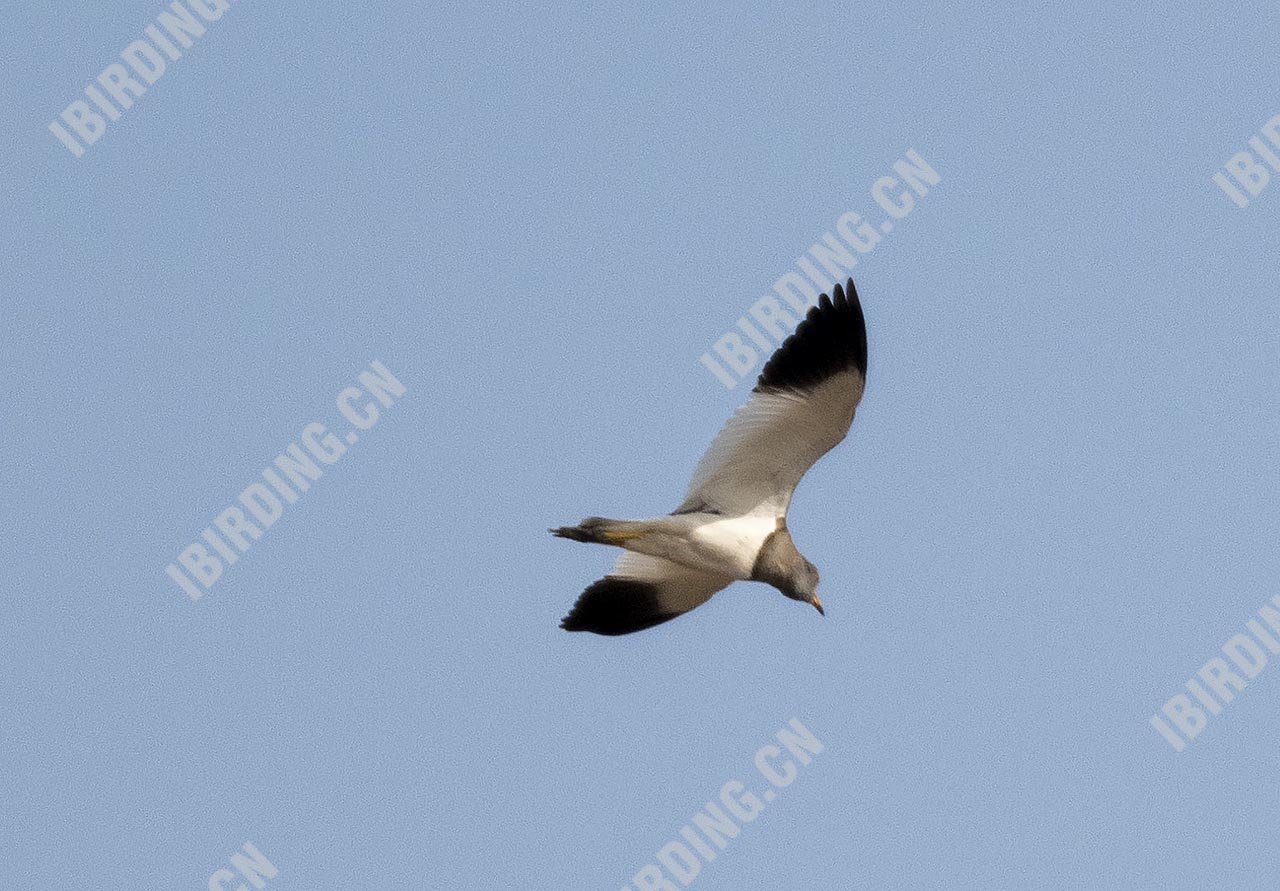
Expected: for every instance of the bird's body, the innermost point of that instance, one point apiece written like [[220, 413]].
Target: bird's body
[[719, 545], [731, 525]]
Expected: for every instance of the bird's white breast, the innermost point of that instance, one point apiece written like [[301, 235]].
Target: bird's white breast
[[731, 543], [717, 545]]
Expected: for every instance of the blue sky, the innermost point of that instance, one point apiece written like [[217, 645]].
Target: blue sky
[[1056, 504]]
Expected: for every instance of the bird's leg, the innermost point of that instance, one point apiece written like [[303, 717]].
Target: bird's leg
[[598, 530]]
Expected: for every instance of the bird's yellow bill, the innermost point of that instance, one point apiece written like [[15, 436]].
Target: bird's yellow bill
[[817, 604]]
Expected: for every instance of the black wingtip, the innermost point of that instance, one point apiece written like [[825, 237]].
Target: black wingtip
[[832, 338], [615, 606]]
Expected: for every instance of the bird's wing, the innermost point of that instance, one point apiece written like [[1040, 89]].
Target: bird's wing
[[800, 409], [640, 592]]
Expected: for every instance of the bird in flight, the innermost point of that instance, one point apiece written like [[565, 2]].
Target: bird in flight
[[732, 524]]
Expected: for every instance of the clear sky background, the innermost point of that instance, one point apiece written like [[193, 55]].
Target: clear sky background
[[1057, 502]]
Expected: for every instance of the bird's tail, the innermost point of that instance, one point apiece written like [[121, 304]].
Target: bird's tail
[[598, 530]]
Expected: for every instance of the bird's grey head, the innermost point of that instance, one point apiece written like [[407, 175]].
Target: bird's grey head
[[804, 585], [780, 564]]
